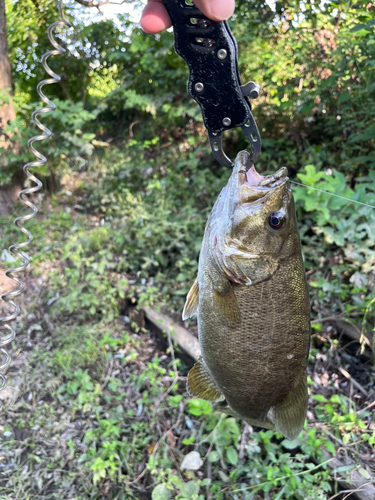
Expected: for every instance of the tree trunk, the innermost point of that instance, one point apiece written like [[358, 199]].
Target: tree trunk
[[7, 112], [8, 194]]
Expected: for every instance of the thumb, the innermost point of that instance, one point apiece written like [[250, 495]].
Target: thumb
[[217, 10]]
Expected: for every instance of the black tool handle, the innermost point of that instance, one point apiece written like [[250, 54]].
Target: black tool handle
[[210, 51]]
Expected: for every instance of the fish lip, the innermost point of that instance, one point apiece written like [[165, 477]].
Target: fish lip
[[252, 179]]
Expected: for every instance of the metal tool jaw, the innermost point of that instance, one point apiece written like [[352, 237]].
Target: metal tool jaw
[[210, 51]]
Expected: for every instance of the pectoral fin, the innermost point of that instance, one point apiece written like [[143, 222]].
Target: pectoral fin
[[225, 301], [201, 384], [290, 414], [192, 300]]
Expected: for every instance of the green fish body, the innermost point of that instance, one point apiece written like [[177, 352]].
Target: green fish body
[[252, 303]]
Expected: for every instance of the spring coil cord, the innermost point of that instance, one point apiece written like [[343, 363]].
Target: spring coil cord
[[7, 332]]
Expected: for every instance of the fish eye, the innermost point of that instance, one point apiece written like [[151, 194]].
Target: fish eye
[[276, 221]]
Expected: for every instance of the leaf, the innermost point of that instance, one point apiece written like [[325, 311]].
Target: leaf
[[335, 399], [188, 441], [311, 176], [320, 398], [345, 468], [192, 461], [39, 482], [293, 482], [343, 98], [281, 493], [330, 447], [364, 473], [232, 427], [232, 455], [362, 33], [214, 456], [197, 407], [223, 476], [99, 474], [359, 27], [291, 445], [368, 135], [190, 489], [160, 492]]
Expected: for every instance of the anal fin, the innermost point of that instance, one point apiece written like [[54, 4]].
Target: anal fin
[[192, 300], [290, 414], [201, 384]]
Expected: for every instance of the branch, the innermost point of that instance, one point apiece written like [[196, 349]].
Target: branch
[[92, 3]]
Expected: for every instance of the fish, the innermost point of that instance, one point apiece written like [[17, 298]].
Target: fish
[[252, 304]]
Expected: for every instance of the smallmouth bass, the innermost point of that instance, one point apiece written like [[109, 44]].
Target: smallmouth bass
[[252, 303]]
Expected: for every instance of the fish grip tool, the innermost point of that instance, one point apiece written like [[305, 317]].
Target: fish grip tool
[[7, 331], [210, 51]]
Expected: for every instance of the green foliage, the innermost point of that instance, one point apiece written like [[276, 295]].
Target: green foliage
[[342, 417], [265, 467], [179, 489], [316, 71], [198, 407], [157, 213], [344, 229], [73, 351], [70, 147], [82, 391], [315, 68]]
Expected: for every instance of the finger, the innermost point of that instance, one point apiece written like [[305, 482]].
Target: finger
[[155, 18], [217, 10]]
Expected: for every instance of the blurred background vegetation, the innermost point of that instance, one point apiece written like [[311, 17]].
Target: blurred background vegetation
[[129, 184]]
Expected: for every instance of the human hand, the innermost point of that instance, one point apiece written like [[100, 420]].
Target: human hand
[[155, 17]]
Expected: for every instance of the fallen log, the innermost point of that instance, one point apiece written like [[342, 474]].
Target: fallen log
[[353, 332], [350, 331], [360, 487], [184, 339]]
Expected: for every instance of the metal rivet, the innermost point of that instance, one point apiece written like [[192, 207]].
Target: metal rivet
[[199, 87], [226, 122], [222, 54]]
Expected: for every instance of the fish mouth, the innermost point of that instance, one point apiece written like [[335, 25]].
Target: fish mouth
[[251, 178], [248, 188]]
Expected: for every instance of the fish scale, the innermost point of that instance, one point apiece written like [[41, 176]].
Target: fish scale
[[261, 343]]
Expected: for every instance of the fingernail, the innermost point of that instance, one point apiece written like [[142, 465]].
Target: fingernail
[[221, 9]]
